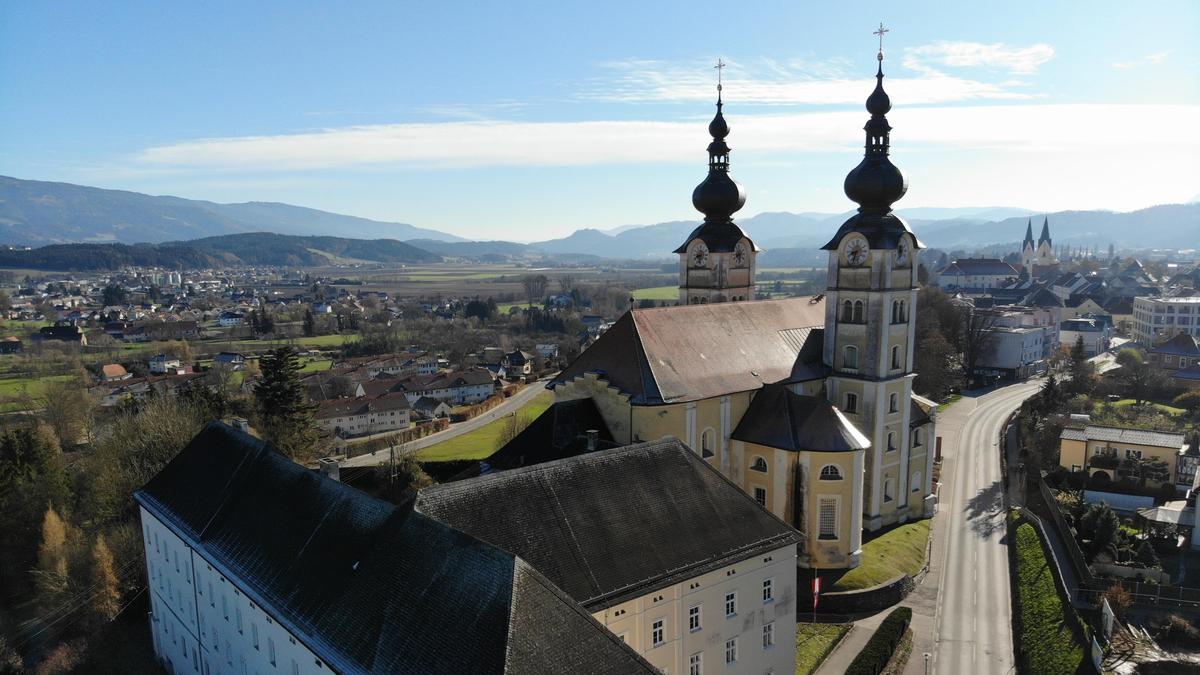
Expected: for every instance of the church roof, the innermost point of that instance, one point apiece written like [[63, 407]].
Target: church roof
[[781, 418], [718, 237], [881, 230], [980, 267], [616, 524], [368, 586], [693, 352], [1045, 235]]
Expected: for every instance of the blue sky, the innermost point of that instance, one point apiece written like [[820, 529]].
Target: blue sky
[[528, 120]]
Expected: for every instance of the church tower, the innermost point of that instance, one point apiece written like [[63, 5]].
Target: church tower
[[1028, 250], [1045, 247], [716, 263], [869, 327]]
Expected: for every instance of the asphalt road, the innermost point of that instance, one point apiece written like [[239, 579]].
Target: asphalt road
[[973, 614], [509, 406]]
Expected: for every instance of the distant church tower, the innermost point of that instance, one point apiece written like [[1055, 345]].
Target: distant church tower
[[716, 263], [1028, 250], [1045, 247], [869, 327]]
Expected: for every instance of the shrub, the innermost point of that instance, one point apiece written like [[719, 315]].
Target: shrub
[[879, 649], [1177, 630]]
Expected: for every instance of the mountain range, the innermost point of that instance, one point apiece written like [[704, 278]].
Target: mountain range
[[36, 213]]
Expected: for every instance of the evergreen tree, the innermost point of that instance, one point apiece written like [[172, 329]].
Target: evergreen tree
[[310, 323], [32, 475], [106, 598], [1081, 368], [1146, 556], [285, 414]]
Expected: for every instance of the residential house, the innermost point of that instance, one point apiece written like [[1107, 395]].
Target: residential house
[[233, 360], [456, 388], [430, 408], [1013, 353], [228, 319], [518, 363], [365, 415], [1179, 357], [1096, 332], [61, 333], [163, 363], [113, 372], [256, 564], [1116, 453], [10, 345], [705, 581]]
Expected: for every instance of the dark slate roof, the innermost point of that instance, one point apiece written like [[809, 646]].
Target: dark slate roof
[[781, 418], [367, 586], [1041, 297], [980, 267], [693, 352], [921, 411], [718, 237], [616, 524], [882, 231], [1181, 344], [557, 433]]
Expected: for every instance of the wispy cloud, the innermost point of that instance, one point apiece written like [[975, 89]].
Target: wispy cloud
[[830, 81], [999, 56], [506, 143], [1147, 60]]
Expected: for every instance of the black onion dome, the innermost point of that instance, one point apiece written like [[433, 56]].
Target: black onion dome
[[719, 196], [878, 103], [875, 185]]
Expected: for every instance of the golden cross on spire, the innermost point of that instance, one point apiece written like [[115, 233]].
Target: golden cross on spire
[[720, 67], [880, 32]]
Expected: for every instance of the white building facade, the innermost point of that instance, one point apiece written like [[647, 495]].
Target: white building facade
[[1159, 319]]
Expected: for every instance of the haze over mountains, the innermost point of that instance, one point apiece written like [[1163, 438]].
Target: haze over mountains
[[37, 213]]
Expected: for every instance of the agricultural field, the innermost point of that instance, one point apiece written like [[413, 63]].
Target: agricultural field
[[657, 293]]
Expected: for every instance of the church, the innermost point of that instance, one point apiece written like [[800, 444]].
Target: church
[[805, 403]]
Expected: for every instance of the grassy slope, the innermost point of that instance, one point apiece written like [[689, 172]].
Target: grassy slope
[[1161, 407], [814, 641], [485, 440], [657, 293], [1047, 642], [900, 550]]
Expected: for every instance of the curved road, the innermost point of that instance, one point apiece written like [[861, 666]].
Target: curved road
[[973, 616]]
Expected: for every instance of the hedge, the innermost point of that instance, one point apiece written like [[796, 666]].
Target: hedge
[[879, 649]]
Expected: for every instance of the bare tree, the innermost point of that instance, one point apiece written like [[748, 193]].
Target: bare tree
[[978, 339], [535, 287], [566, 283]]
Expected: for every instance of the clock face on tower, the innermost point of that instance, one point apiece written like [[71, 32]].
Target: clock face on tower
[[903, 252], [739, 255], [856, 251], [700, 256]]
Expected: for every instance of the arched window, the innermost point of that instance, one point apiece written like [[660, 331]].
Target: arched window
[[916, 481], [759, 464], [895, 311], [916, 438], [896, 357], [888, 484], [851, 403], [894, 403], [858, 311], [708, 443], [891, 441], [903, 311], [830, 472], [847, 311], [850, 357]]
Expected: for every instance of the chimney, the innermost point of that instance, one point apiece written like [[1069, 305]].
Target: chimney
[[593, 439], [330, 468]]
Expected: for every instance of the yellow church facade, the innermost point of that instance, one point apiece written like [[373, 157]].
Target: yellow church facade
[[805, 403]]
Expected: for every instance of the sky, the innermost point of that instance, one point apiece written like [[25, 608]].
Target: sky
[[525, 121]]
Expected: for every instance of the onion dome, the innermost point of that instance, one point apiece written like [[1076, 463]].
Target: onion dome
[[719, 196], [876, 183]]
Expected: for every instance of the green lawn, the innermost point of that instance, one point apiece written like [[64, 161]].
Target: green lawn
[[814, 641], [313, 365], [900, 550], [485, 440], [1161, 407], [1048, 645], [950, 400], [505, 307], [12, 388], [657, 293]]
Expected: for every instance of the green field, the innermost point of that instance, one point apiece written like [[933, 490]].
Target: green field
[[313, 365], [900, 550], [14, 388], [1048, 645], [485, 440], [657, 293], [814, 641], [1161, 407]]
